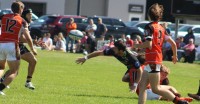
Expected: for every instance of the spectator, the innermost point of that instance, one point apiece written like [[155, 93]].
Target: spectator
[[40, 41], [138, 38], [110, 43], [101, 30], [60, 44], [71, 25], [167, 51], [91, 43], [123, 38], [60, 34], [129, 42], [188, 36], [47, 42], [189, 51], [180, 44]]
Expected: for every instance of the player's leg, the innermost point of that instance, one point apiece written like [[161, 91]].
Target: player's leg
[[142, 88], [152, 96], [126, 77], [2, 67], [172, 89], [14, 67], [30, 58], [154, 79]]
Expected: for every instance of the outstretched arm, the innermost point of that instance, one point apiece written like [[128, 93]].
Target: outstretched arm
[[91, 55]]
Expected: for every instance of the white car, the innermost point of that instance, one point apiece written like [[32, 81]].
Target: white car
[[182, 31]]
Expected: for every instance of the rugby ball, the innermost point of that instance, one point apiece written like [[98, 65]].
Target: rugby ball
[[75, 34]]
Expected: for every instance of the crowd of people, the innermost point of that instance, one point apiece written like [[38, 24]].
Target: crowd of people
[[146, 75]]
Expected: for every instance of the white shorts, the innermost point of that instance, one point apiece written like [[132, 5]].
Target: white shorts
[[148, 68], [8, 51], [152, 96]]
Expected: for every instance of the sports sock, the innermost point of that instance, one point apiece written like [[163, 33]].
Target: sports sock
[[2, 86], [28, 79], [175, 100], [2, 78]]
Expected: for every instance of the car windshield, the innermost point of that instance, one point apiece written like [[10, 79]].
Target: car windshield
[[2, 12], [131, 23], [76, 20], [50, 19], [184, 28], [41, 19], [141, 25]]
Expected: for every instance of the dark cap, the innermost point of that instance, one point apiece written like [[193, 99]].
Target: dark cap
[[27, 11]]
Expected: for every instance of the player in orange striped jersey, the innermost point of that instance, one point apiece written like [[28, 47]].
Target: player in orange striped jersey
[[12, 26], [155, 35]]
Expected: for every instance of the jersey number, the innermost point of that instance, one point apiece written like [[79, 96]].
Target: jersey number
[[9, 25], [159, 37]]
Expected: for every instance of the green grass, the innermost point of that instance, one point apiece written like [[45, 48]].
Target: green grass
[[59, 80]]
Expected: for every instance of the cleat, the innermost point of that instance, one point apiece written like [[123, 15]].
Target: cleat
[[8, 87], [85, 53], [186, 99], [29, 85], [194, 96], [1, 93]]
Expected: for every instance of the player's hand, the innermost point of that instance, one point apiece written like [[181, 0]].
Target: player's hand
[[133, 89], [174, 59], [80, 60], [34, 52]]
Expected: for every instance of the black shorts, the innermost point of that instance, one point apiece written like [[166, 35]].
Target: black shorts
[[23, 49]]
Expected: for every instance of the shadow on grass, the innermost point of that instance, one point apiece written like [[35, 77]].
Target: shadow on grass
[[103, 96]]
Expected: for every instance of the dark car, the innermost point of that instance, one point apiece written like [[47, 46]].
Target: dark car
[[52, 24], [116, 27], [7, 11]]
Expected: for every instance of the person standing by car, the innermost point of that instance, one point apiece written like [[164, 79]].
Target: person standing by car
[[91, 43], [26, 54], [71, 25], [13, 26], [101, 30]]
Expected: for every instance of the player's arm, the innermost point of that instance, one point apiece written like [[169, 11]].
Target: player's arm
[[174, 48], [29, 40], [91, 55]]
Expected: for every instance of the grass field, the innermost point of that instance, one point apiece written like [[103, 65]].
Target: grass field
[[59, 80]]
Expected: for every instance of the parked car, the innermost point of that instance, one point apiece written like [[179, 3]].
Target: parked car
[[117, 27], [139, 24], [52, 24], [7, 11], [182, 31]]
